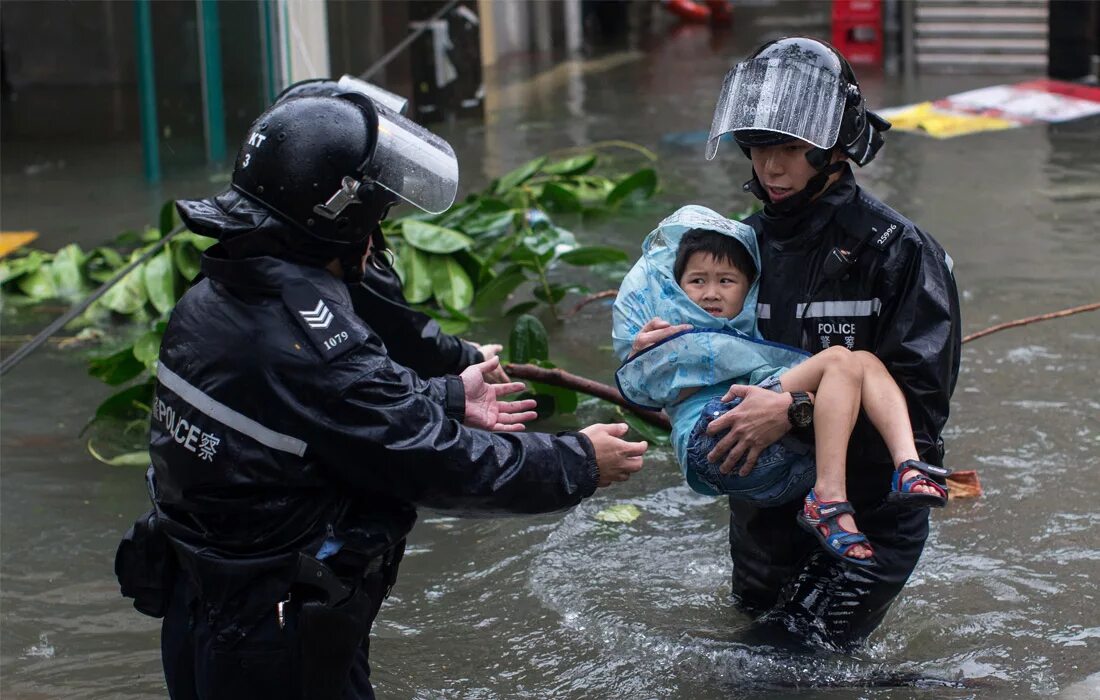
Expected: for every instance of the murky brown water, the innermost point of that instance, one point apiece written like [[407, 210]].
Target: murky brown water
[[1005, 602]]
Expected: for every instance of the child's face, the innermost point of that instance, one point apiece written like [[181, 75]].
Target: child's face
[[716, 286]]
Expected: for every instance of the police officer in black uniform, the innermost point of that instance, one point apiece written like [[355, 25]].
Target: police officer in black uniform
[[289, 452], [839, 268]]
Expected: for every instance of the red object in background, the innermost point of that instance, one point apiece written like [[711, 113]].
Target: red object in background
[[688, 10], [857, 30]]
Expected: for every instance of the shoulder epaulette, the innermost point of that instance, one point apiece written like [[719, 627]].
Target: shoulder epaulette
[[329, 334]]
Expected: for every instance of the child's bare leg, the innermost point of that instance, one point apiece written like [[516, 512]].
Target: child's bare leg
[[886, 408], [836, 377]]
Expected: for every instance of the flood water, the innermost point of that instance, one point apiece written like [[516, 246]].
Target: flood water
[[1004, 604]]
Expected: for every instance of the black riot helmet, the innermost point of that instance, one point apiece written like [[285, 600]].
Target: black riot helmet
[[317, 173], [797, 88], [310, 162]]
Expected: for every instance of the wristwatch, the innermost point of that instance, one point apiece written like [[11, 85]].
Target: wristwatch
[[801, 411]]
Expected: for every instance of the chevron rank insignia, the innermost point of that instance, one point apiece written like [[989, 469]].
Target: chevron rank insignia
[[326, 331]]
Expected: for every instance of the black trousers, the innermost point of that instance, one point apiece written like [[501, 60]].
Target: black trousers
[[781, 573], [207, 660]]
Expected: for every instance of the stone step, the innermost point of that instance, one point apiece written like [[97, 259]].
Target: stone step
[[1013, 45], [998, 29], [956, 12], [970, 61]]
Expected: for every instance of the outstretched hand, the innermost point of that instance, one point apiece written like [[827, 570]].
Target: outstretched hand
[[758, 421], [485, 409], [488, 352], [654, 331], [616, 459]]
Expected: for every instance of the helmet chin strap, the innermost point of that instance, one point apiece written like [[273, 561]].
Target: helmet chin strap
[[798, 200]]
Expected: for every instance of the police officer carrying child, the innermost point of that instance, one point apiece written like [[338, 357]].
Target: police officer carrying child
[[839, 267], [289, 452]]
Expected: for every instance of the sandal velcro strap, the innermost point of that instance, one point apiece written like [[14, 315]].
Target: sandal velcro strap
[[831, 509], [924, 467]]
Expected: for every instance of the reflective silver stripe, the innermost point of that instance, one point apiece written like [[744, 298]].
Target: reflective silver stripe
[[949, 261], [763, 311], [227, 416], [819, 309]]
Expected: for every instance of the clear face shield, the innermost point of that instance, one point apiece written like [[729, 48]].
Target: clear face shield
[[788, 95], [413, 163], [408, 160]]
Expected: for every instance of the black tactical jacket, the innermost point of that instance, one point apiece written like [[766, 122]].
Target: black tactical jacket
[[412, 338], [898, 299], [279, 422]]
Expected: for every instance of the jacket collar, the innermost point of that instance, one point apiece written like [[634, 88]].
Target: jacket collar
[[803, 228], [268, 275]]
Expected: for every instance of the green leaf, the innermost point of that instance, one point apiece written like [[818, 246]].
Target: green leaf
[[521, 308], [642, 183], [418, 276], [651, 433], [450, 283], [571, 166], [66, 269], [565, 400], [116, 369], [160, 281], [102, 263], [496, 291], [128, 295], [200, 242], [38, 285], [593, 255], [15, 267], [621, 513], [187, 258], [552, 294], [126, 459], [560, 198], [169, 218], [434, 239], [147, 348], [489, 224], [131, 402], [518, 176], [528, 340]]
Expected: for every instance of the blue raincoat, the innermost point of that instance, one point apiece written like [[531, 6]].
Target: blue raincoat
[[714, 354]]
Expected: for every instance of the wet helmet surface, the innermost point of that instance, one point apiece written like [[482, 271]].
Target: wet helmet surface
[[303, 151]]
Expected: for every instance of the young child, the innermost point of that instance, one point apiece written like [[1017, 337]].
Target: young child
[[699, 273]]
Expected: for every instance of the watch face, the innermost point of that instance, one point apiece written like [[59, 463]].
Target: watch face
[[801, 413]]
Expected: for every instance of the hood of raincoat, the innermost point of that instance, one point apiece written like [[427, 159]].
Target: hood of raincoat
[[716, 349]]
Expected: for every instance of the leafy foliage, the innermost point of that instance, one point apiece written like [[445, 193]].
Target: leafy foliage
[[476, 258]]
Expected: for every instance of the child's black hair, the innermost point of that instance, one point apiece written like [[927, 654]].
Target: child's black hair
[[724, 249]]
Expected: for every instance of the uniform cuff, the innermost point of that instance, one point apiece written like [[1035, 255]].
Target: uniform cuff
[[454, 400], [592, 469]]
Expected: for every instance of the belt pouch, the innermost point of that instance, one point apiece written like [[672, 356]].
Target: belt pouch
[[328, 638]]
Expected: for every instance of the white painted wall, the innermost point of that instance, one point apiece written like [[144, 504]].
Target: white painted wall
[[303, 34]]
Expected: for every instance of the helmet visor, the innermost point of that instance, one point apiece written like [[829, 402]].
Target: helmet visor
[[779, 94], [380, 96], [413, 163]]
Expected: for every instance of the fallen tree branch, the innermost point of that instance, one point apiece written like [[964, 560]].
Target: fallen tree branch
[[1032, 319], [567, 380], [605, 294]]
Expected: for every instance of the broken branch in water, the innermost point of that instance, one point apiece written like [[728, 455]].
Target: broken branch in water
[[567, 380], [1032, 319]]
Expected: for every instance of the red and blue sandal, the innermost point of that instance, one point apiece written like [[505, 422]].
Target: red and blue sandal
[[902, 493], [819, 518]]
